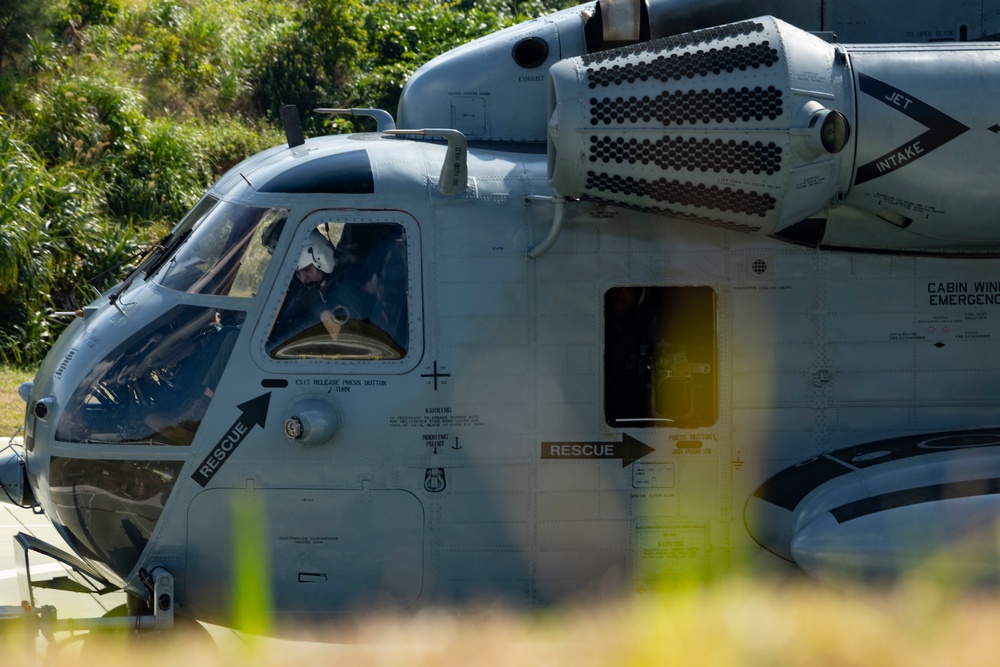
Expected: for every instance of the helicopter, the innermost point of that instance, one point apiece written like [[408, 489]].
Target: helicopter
[[625, 297]]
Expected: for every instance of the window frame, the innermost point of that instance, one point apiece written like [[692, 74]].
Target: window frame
[[670, 349], [287, 253], [206, 227]]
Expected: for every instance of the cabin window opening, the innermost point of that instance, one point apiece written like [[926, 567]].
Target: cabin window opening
[[660, 357], [348, 297]]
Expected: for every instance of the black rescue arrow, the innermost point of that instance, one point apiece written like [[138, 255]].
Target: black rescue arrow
[[629, 450], [252, 413]]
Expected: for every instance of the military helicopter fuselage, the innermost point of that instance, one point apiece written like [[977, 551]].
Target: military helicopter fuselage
[[586, 320]]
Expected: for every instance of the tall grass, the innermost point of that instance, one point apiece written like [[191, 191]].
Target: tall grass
[[732, 624], [52, 237]]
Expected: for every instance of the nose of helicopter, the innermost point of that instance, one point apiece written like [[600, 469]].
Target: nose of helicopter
[[112, 407]]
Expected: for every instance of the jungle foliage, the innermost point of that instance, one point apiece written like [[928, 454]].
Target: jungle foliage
[[116, 115]]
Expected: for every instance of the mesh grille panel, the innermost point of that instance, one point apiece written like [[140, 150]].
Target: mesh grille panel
[[677, 66], [689, 154], [673, 191], [705, 36], [691, 107]]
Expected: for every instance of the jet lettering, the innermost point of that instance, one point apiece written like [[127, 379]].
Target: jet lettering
[[254, 412], [64, 363], [941, 129], [628, 450], [899, 100], [900, 157], [965, 299], [984, 293]]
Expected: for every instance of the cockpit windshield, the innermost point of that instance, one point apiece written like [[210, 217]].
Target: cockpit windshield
[[156, 386], [223, 251]]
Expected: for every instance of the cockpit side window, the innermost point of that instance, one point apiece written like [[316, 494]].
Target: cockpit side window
[[225, 253], [349, 295], [660, 359]]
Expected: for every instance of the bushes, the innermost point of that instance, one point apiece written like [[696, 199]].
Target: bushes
[[19, 21], [51, 239], [84, 196], [228, 140], [171, 164], [116, 116], [403, 36], [79, 119], [347, 53], [317, 63], [161, 176], [63, 223]]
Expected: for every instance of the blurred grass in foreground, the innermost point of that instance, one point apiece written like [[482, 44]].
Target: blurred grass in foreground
[[727, 624]]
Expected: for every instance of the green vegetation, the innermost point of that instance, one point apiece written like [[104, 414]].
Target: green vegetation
[[11, 405], [116, 115]]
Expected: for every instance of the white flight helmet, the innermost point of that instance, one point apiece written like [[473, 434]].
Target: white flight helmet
[[317, 252]]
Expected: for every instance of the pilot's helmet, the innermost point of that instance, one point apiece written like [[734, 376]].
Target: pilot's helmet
[[318, 252]]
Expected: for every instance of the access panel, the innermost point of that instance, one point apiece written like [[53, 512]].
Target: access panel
[[329, 551]]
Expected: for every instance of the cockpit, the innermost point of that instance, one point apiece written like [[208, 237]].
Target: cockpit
[[155, 387], [139, 372]]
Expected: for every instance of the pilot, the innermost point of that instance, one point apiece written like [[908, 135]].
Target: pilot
[[372, 285], [306, 302], [364, 299]]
